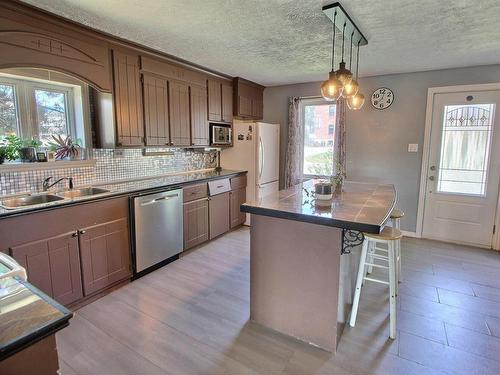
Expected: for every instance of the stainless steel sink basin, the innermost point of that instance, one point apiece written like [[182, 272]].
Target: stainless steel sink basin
[[29, 200], [82, 192]]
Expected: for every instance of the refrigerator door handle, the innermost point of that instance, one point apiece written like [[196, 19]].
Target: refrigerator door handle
[[261, 161]]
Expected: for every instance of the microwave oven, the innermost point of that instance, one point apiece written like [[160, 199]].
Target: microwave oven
[[220, 134]]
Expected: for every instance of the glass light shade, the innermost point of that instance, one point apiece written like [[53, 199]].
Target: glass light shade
[[350, 89], [356, 102], [332, 88], [343, 75]]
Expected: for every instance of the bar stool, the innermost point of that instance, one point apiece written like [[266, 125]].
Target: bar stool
[[389, 236], [396, 216]]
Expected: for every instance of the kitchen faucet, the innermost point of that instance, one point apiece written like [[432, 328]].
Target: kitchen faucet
[[47, 185]]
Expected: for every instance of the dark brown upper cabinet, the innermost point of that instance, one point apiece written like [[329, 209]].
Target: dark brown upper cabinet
[[199, 123], [248, 99], [220, 100], [214, 100], [156, 117], [227, 102], [127, 99], [178, 94]]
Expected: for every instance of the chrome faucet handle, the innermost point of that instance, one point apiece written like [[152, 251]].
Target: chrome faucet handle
[[45, 184]]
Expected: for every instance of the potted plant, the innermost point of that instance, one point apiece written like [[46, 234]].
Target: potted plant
[[65, 148], [10, 145], [27, 152]]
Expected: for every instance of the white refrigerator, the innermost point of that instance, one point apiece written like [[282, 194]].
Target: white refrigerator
[[256, 149]]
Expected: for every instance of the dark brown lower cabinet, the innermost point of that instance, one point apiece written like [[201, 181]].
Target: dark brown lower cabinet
[[105, 254], [53, 266], [219, 214], [238, 197], [195, 223]]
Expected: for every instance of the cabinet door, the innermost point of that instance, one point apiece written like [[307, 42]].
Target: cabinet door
[[257, 109], [219, 214], [227, 102], [178, 95], [199, 123], [53, 266], [156, 119], [105, 254], [238, 197], [214, 100], [244, 106], [127, 100], [195, 223]]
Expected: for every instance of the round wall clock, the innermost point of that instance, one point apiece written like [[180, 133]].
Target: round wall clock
[[382, 98]]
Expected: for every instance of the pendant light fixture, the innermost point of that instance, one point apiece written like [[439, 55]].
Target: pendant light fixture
[[342, 82], [343, 75], [356, 101], [331, 89], [351, 88]]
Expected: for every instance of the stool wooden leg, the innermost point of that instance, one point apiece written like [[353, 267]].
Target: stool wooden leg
[[359, 281], [392, 290]]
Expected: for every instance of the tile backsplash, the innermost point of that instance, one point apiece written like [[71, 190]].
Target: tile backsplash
[[111, 165]]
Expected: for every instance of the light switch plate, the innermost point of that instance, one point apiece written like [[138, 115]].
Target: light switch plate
[[412, 147]]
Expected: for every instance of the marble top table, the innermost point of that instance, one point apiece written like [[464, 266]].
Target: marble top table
[[361, 206]]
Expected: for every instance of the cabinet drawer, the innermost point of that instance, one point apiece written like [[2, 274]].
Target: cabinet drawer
[[238, 182], [219, 186], [195, 192]]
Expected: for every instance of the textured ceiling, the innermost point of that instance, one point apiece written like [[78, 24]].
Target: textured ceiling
[[288, 41]]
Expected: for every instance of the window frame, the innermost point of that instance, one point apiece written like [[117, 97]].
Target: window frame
[[313, 102], [27, 116]]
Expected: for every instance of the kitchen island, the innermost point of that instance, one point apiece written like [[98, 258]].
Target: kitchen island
[[300, 283]]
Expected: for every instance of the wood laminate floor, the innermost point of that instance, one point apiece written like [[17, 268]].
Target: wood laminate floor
[[191, 317]]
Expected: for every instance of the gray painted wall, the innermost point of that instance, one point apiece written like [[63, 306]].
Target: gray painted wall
[[377, 141]]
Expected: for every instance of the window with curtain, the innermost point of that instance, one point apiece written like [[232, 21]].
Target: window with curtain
[[318, 119]]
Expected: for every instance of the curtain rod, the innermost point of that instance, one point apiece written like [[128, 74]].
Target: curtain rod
[[310, 97]]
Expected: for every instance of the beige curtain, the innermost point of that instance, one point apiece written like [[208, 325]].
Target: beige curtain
[[339, 149], [294, 165]]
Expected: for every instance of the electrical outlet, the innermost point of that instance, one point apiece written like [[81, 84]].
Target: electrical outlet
[[412, 147], [118, 153]]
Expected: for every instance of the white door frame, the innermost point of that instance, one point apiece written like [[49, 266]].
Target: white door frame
[[426, 150]]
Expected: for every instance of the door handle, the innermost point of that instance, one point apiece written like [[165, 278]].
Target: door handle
[[74, 234], [431, 178], [83, 231], [261, 157]]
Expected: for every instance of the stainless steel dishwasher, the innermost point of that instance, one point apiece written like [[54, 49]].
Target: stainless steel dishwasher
[[158, 229]]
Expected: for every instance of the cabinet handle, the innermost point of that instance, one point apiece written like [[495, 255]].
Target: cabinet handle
[[83, 231], [74, 234]]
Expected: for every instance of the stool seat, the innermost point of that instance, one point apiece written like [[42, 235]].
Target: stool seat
[[387, 234], [397, 214]]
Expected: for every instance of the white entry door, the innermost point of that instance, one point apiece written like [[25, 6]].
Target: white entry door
[[464, 168]]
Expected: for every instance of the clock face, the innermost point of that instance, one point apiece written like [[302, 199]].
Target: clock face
[[382, 98]]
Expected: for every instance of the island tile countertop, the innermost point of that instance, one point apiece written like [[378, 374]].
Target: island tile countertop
[[26, 316], [116, 188], [361, 206]]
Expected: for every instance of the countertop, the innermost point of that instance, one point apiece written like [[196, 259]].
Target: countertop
[[117, 188], [361, 206], [26, 316]]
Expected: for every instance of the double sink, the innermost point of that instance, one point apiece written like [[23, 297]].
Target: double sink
[[32, 200]]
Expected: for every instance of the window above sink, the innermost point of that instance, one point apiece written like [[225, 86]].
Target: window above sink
[[37, 105]]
